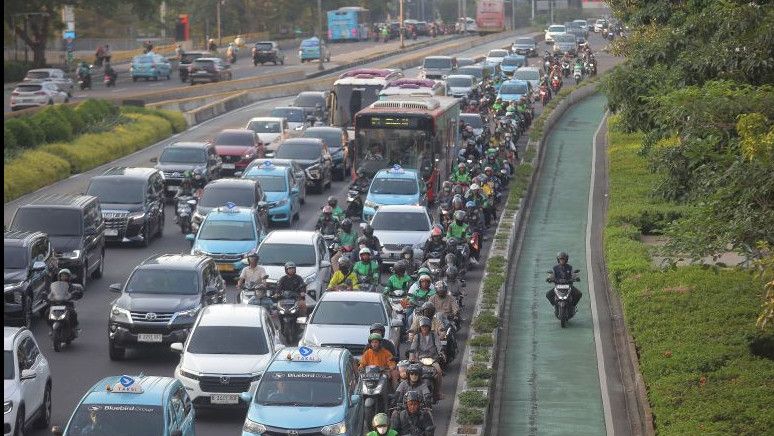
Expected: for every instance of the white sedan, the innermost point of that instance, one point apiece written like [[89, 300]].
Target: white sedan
[[496, 56], [34, 94]]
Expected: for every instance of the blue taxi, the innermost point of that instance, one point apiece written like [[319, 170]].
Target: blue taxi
[[128, 406], [512, 90], [394, 186], [307, 390], [277, 182], [227, 234]]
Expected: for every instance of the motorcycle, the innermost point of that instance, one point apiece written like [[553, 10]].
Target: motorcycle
[[109, 80], [84, 79], [564, 310], [556, 84], [365, 283], [375, 392], [577, 75], [62, 328], [184, 208], [257, 295], [448, 342], [330, 242], [354, 202], [566, 69], [433, 263], [544, 96], [287, 310], [428, 373]]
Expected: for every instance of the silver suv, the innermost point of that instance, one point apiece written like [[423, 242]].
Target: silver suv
[[26, 382]]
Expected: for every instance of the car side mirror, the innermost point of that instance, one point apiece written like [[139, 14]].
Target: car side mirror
[[154, 160], [312, 294], [177, 347], [246, 397], [115, 287], [325, 264], [190, 237], [57, 430], [238, 174], [27, 374], [396, 323], [39, 265]]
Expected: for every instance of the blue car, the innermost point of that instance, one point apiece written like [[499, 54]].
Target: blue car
[[307, 390], [309, 50], [124, 405], [150, 66], [227, 235], [395, 186], [282, 196], [511, 63], [512, 90]]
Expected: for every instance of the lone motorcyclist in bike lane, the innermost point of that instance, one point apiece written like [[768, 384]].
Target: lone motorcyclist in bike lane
[[66, 276], [563, 272], [293, 283]]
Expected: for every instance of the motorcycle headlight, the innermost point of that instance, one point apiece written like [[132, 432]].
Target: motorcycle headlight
[[75, 254], [293, 310], [309, 279], [120, 314], [427, 361], [371, 204], [334, 429], [253, 427], [7, 406]]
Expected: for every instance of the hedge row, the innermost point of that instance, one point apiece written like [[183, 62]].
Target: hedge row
[[33, 169], [14, 71], [693, 327]]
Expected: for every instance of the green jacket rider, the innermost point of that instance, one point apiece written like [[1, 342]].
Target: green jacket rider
[[367, 267]]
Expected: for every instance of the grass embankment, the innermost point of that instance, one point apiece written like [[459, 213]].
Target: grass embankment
[[693, 326], [59, 141]]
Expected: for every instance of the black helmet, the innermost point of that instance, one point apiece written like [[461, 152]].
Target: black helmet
[[413, 396], [332, 202], [562, 255], [451, 243], [400, 267], [457, 202], [407, 250], [344, 263], [414, 368], [346, 224], [377, 326], [428, 307], [289, 265], [451, 272], [368, 230]]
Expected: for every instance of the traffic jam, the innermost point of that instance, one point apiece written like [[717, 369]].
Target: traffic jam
[[343, 327]]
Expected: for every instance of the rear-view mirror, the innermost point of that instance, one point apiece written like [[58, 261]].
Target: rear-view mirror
[[154, 160], [177, 347], [246, 397], [301, 320], [39, 266], [115, 287]]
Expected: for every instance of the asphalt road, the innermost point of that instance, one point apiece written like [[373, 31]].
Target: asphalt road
[[83, 363]]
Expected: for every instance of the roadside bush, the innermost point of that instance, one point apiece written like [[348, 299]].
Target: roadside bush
[[22, 131], [53, 125], [486, 322], [72, 117], [14, 71], [30, 171], [470, 416], [9, 139], [473, 399], [94, 111], [482, 341], [175, 118]]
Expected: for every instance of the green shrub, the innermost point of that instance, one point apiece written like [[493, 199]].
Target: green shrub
[[14, 71], [9, 138], [486, 322], [468, 416], [72, 117], [94, 111], [486, 340], [473, 398], [22, 132], [32, 170], [175, 118], [53, 125], [481, 355], [479, 371]]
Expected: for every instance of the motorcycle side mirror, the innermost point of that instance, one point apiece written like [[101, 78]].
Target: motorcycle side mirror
[[262, 205], [39, 265], [301, 320], [177, 347], [246, 397], [312, 294], [57, 430], [76, 294], [396, 323], [576, 271], [154, 159], [191, 202], [325, 264], [115, 287]]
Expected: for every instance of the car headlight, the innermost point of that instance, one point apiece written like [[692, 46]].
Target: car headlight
[[75, 254], [120, 314], [371, 204], [189, 375], [7, 406], [137, 216], [253, 427], [189, 313], [334, 429]]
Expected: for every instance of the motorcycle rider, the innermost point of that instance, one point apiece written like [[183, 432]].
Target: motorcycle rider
[[413, 420], [110, 72], [84, 74], [376, 355], [372, 241], [412, 264], [343, 275], [231, 52], [443, 302], [338, 213], [252, 273], [434, 244], [211, 46], [563, 271], [415, 383], [347, 237], [428, 344], [457, 228], [367, 268], [65, 298], [186, 189], [293, 283], [386, 343], [381, 424], [399, 280], [460, 175], [326, 224], [427, 310]]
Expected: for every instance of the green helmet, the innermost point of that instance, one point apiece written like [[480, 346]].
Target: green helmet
[[422, 271], [65, 271], [374, 337], [380, 419]]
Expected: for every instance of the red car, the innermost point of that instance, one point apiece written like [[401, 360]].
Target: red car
[[237, 148]]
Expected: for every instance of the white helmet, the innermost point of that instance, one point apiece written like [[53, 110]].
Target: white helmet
[[364, 250], [474, 187]]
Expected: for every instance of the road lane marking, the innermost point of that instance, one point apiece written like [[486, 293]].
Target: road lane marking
[[590, 278]]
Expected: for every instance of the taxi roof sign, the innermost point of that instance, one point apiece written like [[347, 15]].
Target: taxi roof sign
[[303, 354], [230, 207], [267, 165], [126, 385], [396, 169]]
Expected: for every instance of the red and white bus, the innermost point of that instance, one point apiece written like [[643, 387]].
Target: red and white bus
[[417, 132], [408, 86], [355, 90], [490, 16]]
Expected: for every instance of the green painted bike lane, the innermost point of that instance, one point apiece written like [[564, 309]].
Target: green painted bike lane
[[551, 380]]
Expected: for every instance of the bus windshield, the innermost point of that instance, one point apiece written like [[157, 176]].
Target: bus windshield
[[383, 148]]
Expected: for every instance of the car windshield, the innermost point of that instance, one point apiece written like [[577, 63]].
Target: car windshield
[[498, 54], [268, 183], [298, 151], [28, 88], [400, 221], [565, 38], [514, 88], [475, 121], [8, 372], [143, 60], [202, 63], [114, 419], [14, 257], [525, 41], [300, 389], [513, 61], [185, 155], [223, 230], [557, 29], [117, 190], [263, 46], [228, 340], [527, 75], [37, 75], [265, 126], [190, 57], [383, 185], [235, 138], [294, 115], [331, 137], [163, 281], [459, 82], [475, 72], [308, 100], [216, 196], [54, 222], [348, 313], [310, 43], [278, 254], [438, 63]]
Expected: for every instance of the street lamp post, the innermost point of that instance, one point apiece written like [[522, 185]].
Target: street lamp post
[[402, 29], [217, 18], [320, 33]]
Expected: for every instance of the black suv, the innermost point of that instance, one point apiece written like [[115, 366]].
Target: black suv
[[244, 193], [314, 103], [29, 267], [74, 226], [313, 156], [268, 51], [177, 158], [132, 202], [160, 301], [187, 59]]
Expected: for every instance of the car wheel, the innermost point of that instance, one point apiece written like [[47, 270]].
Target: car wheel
[[134, 79], [146, 235], [44, 417], [84, 273], [116, 353], [160, 231], [18, 429], [282, 62], [27, 311], [99, 271], [50, 102]]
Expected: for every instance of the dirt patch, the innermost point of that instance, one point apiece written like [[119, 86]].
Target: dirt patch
[[677, 289]]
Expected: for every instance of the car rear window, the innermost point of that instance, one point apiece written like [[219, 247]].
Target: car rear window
[[298, 151], [400, 221], [215, 196], [204, 63], [265, 47], [38, 75], [292, 115], [235, 138], [144, 60], [190, 57], [28, 88], [272, 254], [438, 63], [308, 100]]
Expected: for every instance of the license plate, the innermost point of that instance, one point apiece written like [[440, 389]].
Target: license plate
[[58, 307], [229, 166], [225, 267], [111, 232], [148, 337], [224, 399], [172, 188]]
